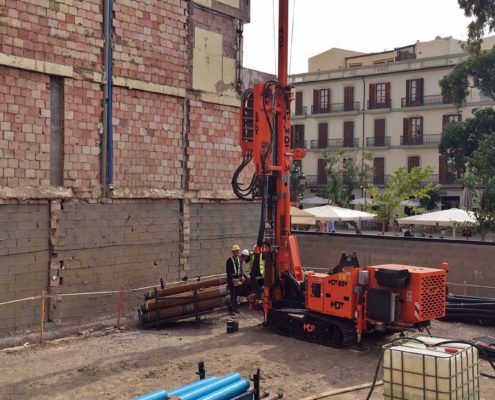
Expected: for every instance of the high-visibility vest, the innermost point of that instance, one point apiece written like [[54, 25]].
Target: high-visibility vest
[[236, 262], [251, 263]]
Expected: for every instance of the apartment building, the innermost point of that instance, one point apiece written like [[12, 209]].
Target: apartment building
[[388, 104]]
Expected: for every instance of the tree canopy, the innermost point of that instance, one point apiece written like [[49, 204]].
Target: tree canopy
[[483, 12]]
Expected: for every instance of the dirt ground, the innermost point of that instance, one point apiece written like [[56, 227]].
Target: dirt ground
[[128, 363]]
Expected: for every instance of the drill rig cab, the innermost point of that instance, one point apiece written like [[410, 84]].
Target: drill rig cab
[[337, 308]]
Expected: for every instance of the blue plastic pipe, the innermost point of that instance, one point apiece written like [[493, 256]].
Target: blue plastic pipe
[[228, 392], [227, 380], [156, 395], [192, 386]]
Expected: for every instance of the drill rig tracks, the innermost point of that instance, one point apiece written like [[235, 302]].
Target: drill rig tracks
[[312, 327]]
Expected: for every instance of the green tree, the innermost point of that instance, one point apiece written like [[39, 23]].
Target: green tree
[[480, 180], [345, 173], [434, 196], [483, 12], [402, 185], [478, 71], [296, 187], [461, 139]]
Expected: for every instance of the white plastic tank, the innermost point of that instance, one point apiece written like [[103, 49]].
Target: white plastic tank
[[413, 371]]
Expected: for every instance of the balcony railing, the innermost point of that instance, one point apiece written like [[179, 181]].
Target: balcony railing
[[300, 144], [373, 105], [379, 180], [300, 113], [425, 101], [420, 140], [315, 144], [313, 180], [335, 108], [378, 142], [447, 179]]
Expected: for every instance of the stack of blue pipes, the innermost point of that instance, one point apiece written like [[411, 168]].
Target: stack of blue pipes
[[230, 387]]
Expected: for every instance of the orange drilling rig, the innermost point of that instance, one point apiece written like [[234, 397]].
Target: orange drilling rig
[[337, 308]]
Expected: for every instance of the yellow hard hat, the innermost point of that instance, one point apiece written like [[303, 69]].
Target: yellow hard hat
[[235, 247]]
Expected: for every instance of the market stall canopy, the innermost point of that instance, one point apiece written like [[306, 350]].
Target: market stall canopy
[[361, 201], [301, 217], [449, 217], [333, 213], [315, 201]]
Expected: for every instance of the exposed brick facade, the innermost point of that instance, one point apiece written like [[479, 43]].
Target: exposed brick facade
[[171, 144], [24, 128]]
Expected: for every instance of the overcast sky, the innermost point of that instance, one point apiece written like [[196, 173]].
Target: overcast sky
[[361, 25]]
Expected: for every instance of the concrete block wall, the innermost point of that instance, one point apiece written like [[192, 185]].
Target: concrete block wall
[[468, 261], [214, 228], [24, 256], [99, 247]]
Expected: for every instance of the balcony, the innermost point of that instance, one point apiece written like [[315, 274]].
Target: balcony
[[315, 180], [336, 108], [420, 140], [299, 144], [315, 144], [378, 142], [374, 105], [425, 101], [379, 180], [300, 113]]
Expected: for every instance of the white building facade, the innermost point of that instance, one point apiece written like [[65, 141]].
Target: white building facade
[[388, 104]]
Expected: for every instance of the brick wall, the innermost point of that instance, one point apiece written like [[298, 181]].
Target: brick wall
[[101, 246], [467, 260], [23, 263], [147, 139], [24, 128]]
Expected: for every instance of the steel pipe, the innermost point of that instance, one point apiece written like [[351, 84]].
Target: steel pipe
[[228, 392], [185, 309], [184, 298], [185, 287]]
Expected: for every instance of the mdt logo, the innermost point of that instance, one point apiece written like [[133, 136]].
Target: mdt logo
[[310, 328]]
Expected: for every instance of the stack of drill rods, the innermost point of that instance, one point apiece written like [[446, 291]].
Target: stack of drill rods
[[184, 300]]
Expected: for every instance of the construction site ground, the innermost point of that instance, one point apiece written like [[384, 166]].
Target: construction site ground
[[122, 364]]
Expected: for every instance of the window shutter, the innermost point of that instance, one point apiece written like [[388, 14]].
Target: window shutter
[[412, 162], [348, 98], [329, 96], [387, 94], [408, 92], [299, 103], [421, 125], [442, 169], [459, 117], [349, 134], [316, 100], [323, 135], [379, 170], [405, 130], [445, 120], [322, 175], [379, 132], [372, 95], [420, 91]]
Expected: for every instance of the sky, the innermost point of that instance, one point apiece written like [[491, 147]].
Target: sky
[[361, 25]]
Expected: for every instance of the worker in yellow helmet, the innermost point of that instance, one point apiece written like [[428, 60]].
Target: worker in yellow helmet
[[233, 268], [256, 269]]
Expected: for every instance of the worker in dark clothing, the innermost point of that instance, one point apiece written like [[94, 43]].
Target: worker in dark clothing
[[233, 268]]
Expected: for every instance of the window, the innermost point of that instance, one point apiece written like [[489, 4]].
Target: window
[[448, 118], [299, 103], [297, 136], [348, 98], [414, 92], [379, 137], [349, 134], [412, 162], [322, 173], [412, 131], [323, 135], [321, 101], [379, 171], [56, 130], [446, 170], [379, 95], [324, 99]]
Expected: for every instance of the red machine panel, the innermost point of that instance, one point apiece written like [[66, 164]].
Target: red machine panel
[[336, 295], [423, 298]]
